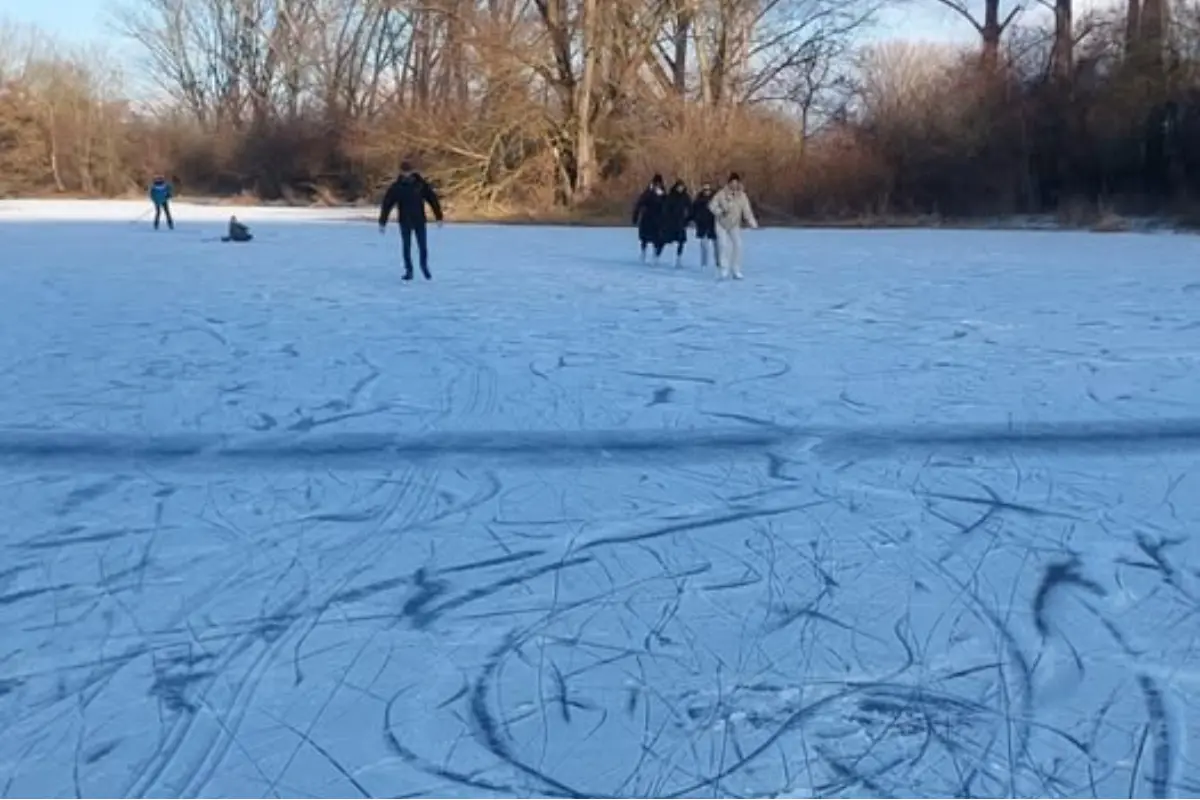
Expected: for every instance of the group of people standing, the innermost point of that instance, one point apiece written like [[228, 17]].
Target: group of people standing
[[662, 217]]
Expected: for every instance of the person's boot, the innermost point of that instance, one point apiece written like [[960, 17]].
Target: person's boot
[[408, 276]]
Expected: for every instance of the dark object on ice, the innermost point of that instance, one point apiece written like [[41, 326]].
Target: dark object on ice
[[409, 195], [706, 224], [161, 194], [648, 215], [702, 215], [237, 232], [676, 213]]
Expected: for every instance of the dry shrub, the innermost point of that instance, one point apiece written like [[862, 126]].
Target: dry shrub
[[487, 165], [708, 145]]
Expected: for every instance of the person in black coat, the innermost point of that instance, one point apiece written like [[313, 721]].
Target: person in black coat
[[647, 215], [409, 195], [706, 224], [677, 212], [238, 232]]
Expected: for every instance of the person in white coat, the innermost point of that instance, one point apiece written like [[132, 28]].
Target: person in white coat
[[731, 208]]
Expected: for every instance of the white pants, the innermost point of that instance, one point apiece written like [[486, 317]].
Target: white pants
[[729, 242]]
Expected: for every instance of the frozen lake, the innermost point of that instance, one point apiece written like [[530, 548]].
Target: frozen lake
[[905, 513]]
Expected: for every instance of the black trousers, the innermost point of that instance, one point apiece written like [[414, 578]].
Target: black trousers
[[658, 246], [159, 210], [407, 232]]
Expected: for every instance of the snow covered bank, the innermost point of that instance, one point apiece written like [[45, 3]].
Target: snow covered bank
[[136, 210]]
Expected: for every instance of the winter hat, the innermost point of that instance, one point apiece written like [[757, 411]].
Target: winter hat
[[406, 166]]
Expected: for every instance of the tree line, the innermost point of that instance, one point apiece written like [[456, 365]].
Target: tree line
[[540, 107]]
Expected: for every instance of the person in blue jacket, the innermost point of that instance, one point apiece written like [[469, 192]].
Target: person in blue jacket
[[160, 195]]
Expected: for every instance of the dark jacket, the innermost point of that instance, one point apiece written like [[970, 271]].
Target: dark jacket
[[237, 232], [408, 195], [676, 212], [702, 215], [648, 213]]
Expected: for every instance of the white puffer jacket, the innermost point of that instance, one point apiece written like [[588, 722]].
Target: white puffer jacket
[[732, 209]]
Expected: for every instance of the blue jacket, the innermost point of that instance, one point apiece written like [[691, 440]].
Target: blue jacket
[[160, 192]]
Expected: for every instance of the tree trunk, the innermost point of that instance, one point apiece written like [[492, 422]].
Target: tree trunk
[[1152, 29], [586, 171], [1064, 41], [1133, 20], [991, 31], [683, 27]]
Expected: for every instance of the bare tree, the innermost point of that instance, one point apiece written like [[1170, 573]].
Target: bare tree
[[991, 28]]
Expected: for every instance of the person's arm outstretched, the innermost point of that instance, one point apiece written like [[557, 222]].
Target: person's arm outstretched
[[385, 209], [748, 212], [430, 197]]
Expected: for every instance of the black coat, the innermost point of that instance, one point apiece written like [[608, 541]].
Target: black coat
[[677, 211], [648, 214], [409, 195], [706, 223]]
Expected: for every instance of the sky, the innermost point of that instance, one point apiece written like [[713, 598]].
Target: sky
[[90, 20], [81, 20]]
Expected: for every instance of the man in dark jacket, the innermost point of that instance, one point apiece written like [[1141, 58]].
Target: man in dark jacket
[[677, 211], [706, 224], [409, 195], [647, 215]]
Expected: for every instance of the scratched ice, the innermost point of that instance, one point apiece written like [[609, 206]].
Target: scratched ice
[[904, 513]]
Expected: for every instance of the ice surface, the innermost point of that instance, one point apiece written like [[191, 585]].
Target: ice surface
[[904, 513]]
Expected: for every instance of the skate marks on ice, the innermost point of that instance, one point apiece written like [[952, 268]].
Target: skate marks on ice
[[723, 684], [35, 449], [471, 632], [747, 609]]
